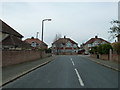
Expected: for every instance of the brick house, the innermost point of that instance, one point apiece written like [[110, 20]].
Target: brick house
[[93, 42], [11, 39], [36, 43], [64, 46]]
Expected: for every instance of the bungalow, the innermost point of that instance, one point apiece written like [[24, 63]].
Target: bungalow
[[93, 42], [11, 39], [64, 46]]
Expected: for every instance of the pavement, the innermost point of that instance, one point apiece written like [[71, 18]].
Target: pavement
[[68, 71], [14, 72], [107, 63]]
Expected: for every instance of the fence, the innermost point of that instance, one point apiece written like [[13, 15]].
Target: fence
[[20, 56]]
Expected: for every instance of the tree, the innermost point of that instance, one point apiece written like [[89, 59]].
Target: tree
[[115, 29]]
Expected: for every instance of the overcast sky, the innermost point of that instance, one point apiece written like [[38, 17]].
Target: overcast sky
[[79, 21]]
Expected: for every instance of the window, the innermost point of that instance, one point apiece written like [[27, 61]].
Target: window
[[103, 42], [95, 43], [33, 44], [74, 45], [68, 44], [89, 45], [61, 45]]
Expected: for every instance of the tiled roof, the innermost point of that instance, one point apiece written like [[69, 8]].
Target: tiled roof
[[73, 42], [9, 30], [36, 40], [14, 41], [95, 39], [64, 40]]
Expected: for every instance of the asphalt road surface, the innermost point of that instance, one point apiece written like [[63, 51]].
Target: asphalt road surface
[[68, 72]]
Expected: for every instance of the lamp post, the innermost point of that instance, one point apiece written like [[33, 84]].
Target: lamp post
[[42, 34], [43, 26]]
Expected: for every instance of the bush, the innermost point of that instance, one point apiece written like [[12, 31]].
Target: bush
[[101, 49], [116, 47], [94, 50], [48, 50], [104, 48]]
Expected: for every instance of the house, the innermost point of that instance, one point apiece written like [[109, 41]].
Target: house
[[64, 46], [93, 42], [11, 39], [36, 43]]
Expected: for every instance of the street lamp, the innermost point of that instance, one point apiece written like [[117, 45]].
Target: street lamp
[[43, 26], [42, 33]]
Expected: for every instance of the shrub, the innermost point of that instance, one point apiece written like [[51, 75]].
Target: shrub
[[48, 50], [94, 50], [104, 48], [116, 47]]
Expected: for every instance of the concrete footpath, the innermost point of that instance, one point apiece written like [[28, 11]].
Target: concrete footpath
[[110, 64], [13, 72]]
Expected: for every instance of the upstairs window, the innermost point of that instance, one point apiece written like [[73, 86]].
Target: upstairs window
[[68, 44], [33, 44]]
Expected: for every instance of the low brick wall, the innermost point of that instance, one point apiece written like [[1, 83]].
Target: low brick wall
[[93, 55], [115, 57], [16, 57], [104, 57]]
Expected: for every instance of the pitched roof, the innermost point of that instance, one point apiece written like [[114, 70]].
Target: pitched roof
[[9, 30], [36, 40], [64, 40], [14, 41], [95, 39]]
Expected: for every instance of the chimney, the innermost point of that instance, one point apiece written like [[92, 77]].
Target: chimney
[[32, 37], [37, 34], [64, 36], [96, 37]]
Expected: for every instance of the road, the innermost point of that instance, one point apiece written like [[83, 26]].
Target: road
[[68, 72]]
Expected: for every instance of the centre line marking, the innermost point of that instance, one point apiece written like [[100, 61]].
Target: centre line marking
[[72, 62], [79, 78]]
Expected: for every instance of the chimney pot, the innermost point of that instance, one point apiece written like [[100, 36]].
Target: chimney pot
[[32, 37], [96, 36]]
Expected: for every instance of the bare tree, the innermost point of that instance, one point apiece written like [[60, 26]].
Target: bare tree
[[57, 37]]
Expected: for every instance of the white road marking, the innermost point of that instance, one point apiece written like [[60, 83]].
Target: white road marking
[[72, 62], [79, 78]]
